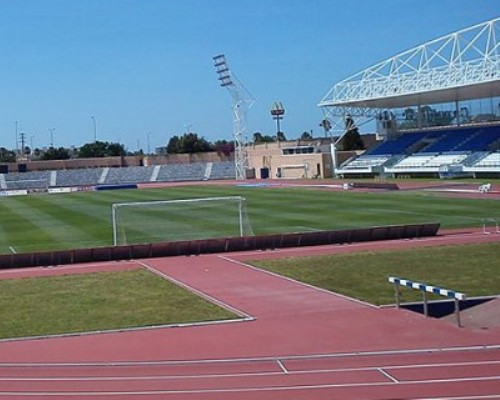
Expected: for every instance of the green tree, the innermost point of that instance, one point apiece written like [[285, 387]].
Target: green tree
[[260, 138], [53, 153], [224, 147], [306, 136], [188, 143], [351, 139], [280, 137], [173, 145], [101, 149], [7, 155], [326, 125]]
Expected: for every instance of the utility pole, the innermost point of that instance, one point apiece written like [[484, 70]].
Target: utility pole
[[51, 130], [22, 135]]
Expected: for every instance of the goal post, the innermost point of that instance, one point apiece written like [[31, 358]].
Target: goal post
[[177, 220]]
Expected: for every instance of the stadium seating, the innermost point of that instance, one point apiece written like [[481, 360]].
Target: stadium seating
[[123, 175], [223, 170], [429, 150], [79, 177], [128, 175]]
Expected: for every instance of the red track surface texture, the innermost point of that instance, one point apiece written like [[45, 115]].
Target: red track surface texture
[[302, 343]]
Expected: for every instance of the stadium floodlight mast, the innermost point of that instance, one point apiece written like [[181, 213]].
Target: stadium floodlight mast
[[242, 102], [277, 112]]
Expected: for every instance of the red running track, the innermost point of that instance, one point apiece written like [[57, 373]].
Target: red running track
[[303, 343]]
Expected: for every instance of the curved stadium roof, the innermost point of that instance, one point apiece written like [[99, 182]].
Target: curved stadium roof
[[463, 65]]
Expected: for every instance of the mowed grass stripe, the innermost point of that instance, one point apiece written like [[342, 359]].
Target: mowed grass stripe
[[51, 226], [271, 210], [84, 220], [18, 226]]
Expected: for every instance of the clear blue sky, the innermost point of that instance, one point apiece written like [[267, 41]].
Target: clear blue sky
[[142, 66]]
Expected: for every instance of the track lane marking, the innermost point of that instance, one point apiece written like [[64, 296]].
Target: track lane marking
[[249, 389], [282, 369]]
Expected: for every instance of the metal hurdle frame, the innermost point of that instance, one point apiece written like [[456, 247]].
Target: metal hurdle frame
[[424, 288]]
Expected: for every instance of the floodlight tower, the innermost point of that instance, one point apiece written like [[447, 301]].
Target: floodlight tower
[[277, 112], [242, 102]]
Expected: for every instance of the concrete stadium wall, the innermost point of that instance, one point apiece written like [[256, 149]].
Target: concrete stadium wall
[[222, 245]]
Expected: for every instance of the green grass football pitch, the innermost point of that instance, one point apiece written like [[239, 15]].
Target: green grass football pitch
[[77, 220]]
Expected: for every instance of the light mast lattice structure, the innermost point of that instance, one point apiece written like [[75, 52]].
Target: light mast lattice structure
[[242, 102]]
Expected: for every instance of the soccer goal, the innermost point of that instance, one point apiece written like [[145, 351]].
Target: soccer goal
[[176, 220]]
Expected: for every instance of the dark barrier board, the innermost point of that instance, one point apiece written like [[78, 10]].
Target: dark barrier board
[[116, 187], [375, 185], [219, 245]]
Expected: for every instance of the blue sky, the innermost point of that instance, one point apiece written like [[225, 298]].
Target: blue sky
[[143, 68]]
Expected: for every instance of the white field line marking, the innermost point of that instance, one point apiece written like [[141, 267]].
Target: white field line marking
[[380, 369], [316, 288], [12, 250], [206, 296], [247, 389], [282, 367], [125, 329], [387, 375], [64, 267], [429, 350]]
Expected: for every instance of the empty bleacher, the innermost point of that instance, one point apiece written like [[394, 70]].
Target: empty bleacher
[[366, 162], [126, 175], [123, 175], [398, 146], [79, 177], [491, 160], [181, 172], [428, 151], [223, 170]]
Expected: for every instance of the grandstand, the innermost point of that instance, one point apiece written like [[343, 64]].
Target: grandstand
[[86, 177], [436, 108]]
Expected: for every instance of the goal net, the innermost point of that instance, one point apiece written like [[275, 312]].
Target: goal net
[[176, 220]]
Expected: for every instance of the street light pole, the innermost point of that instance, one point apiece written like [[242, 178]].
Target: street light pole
[[51, 130], [95, 129]]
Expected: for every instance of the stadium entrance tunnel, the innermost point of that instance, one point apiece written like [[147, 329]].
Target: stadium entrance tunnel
[[219, 245]]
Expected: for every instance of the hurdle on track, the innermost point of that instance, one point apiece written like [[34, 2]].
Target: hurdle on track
[[424, 288]]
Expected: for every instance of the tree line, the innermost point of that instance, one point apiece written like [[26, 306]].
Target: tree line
[[187, 143]]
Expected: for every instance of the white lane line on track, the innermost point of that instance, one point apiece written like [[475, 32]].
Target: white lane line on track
[[387, 375], [426, 351], [249, 389], [380, 368], [282, 367]]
